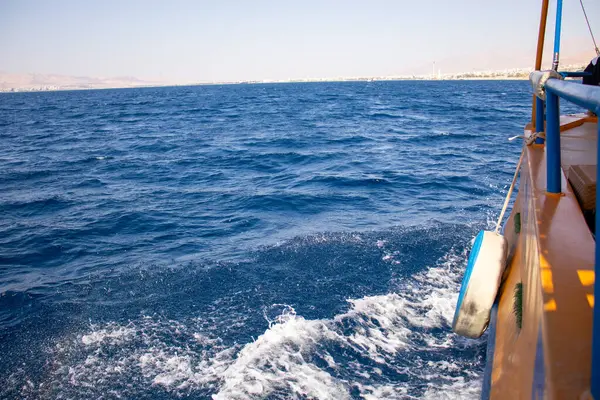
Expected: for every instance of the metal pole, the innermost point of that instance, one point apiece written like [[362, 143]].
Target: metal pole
[[540, 51], [557, 34], [541, 35], [552, 143], [539, 118], [595, 386]]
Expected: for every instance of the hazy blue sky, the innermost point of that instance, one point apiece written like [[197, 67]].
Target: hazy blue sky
[[185, 41]]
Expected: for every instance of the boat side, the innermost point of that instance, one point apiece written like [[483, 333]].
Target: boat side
[[543, 327]]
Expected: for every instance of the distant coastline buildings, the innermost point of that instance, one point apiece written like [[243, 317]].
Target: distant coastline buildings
[[504, 74]]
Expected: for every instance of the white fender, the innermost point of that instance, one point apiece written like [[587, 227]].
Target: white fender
[[480, 284]]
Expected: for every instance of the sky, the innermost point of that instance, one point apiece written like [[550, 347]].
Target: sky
[[187, 41]]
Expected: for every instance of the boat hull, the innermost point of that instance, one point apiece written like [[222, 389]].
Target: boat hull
[[541, 329]]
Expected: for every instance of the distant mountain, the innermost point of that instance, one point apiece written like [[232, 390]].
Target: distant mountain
[[40, 82], [34, 82]]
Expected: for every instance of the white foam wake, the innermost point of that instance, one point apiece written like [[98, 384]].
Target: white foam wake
[[352, 354], [383, 327]]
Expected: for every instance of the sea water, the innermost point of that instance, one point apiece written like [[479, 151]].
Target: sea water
[[271, 241]]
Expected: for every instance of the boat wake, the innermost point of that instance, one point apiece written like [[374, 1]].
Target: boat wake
[[396, 345]]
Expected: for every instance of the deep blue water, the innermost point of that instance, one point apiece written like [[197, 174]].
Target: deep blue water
[[247, 241]]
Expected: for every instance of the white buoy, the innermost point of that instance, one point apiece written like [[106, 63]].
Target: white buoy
[[483, 276], [480, 284]]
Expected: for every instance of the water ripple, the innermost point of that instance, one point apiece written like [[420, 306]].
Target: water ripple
[[246, 240]]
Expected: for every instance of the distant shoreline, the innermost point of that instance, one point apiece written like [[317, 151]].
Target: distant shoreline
[[19, 83], [70, 89]]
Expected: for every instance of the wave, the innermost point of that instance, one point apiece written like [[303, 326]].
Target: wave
[[348, 181], [173, 226], [394, 345]]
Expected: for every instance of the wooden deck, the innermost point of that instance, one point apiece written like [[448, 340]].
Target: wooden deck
[[578, 145]]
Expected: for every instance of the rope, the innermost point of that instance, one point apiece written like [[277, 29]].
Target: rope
[[529, 140], [590, 28], [510, 190]]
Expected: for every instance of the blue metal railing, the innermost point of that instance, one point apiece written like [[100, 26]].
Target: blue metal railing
[[539, 118], [585, 96], [575, 74], [588, 97], [554, 174], [557, 27]]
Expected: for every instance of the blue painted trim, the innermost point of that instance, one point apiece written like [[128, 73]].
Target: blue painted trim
[[539, 118], [470, 264], [595, 385], [557, 28], [489, 354], [586, 96], [553, 172], [538, 386]]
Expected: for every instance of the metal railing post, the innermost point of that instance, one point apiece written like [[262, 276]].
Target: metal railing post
[[539, 118], [557, 27], [595, 381], [552, 143]]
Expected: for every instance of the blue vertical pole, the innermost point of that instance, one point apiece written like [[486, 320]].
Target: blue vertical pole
[[552, 143], [557, 34], [539, 118], [595, 387]]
